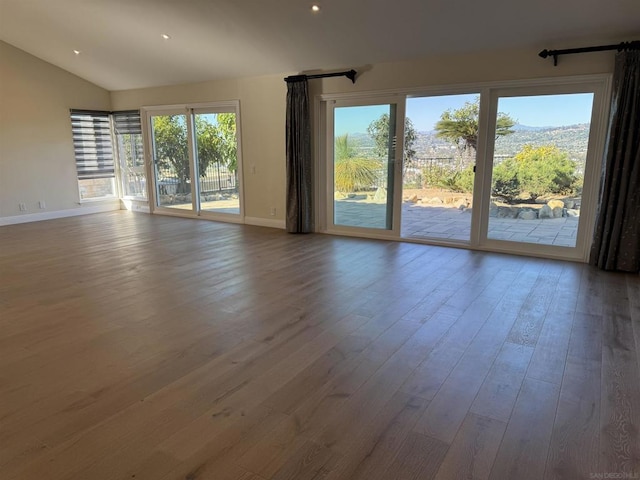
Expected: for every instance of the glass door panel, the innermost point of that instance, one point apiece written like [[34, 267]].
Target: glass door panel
[[217, 162], [170, 150], [441, 136], [363, 167], [538, 168]]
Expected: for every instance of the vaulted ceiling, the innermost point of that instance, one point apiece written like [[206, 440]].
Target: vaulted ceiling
[[122, 47]]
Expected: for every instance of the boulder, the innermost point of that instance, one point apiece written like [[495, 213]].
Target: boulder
[[573, 213], [545, 212], [436, 200], [339, 195], [413, 199], [527, 214], [461, 204], [380, 195], [555, 204], [558, 212], [507, 212], [569, 203]]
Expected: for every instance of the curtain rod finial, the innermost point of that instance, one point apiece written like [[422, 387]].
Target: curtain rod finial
[[351, 75], [544, 53]]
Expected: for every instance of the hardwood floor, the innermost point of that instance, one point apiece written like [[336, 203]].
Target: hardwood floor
[[160, 348]]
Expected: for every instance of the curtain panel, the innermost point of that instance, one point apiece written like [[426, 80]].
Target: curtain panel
[[616, 244], [299, 218]]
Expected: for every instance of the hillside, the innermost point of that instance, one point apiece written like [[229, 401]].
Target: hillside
[[573, 139]]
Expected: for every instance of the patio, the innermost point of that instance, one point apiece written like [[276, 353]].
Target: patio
[[448, 223]]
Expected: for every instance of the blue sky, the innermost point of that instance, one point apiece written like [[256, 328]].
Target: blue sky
[[537, 111]]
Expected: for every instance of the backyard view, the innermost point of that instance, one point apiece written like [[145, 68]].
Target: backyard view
[[216, 158], [537, 169]]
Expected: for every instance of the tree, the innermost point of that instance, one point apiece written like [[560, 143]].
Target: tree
[[351, 172], [215, 143], [379, 131], [460, 126], [170, 144]]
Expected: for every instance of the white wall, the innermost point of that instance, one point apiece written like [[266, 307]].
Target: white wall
[[462, 69], [36, 148]]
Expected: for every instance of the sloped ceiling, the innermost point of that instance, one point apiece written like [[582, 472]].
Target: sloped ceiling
[[122, 48]]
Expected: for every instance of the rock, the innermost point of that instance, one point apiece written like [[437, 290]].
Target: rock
[[569, 203], [555, 203], [540, 201], [436, 200], [527, 214], [339, 195], [467, 210], [573, 213], [545, 212], [507, 212], [413, 199], [462, 204], [380, 195], [558, 212]]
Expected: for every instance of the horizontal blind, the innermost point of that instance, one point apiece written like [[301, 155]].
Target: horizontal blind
[[92, 144], [127, 122]]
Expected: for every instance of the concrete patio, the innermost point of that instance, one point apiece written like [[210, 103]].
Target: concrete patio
[[447, 223]]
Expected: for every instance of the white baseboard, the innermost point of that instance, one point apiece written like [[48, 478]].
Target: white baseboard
[[264, 222], [135, 205], [72, 212]]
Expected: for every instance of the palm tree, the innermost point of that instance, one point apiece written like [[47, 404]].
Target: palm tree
[[461, 126], [352, 172]]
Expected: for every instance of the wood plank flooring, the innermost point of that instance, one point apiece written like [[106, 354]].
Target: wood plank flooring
[[148, 347]]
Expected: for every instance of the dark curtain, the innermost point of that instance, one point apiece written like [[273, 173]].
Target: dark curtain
[[616, 244], [299, 162]]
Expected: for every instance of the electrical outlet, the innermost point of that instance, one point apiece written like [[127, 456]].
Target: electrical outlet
[[272, 211], [22, 207], [42, 205]]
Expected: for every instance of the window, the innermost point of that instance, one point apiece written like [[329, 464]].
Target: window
[[128, 138], [94, 153]]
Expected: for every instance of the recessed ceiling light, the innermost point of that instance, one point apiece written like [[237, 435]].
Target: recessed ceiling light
[[315, 8], [77, 52], [165, 36]]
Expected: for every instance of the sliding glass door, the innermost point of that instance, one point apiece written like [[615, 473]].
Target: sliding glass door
[[513, 169], [541, 169], [171, 161], [216, 155], [196, 161], [364, 167]]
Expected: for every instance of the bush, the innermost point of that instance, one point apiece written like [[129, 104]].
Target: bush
[[544, 170], [505, 180], [536, 171], [448, 178]]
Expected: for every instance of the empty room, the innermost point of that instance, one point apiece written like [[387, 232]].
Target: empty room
[[289, 240]]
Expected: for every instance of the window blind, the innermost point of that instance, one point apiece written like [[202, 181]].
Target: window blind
[[92, 144], [127, 122]]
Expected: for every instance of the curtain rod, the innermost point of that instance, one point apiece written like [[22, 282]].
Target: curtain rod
[[350, 74], [633, 45]]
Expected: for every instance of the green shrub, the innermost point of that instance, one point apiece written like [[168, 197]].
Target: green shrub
[[544, 170], [448, 178], [505, 180], [536, 171]]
